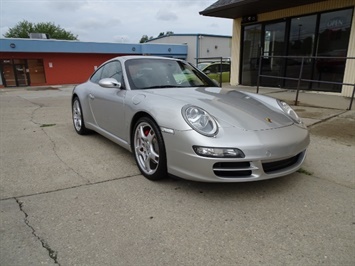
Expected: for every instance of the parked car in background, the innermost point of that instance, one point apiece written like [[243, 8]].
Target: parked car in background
[[215, 70], [177, 121]]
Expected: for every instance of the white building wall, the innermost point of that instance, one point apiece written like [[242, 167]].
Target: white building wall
[[189, 40], [235, 60], [210, 46], [349, 76], [200, 45]]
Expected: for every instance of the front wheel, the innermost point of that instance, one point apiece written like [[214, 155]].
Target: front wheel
[[149, 149], [78, 118]]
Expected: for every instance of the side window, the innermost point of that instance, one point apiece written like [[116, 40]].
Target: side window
[[113, 70], [226, 67], [211, 69], [97, 75]]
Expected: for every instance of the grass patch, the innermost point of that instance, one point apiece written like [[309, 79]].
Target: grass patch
[[47, 125], [304, 171]]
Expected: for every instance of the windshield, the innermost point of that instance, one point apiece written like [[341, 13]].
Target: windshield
[[150, 73]]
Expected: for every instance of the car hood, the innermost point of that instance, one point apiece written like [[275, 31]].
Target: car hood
[[231, 108]]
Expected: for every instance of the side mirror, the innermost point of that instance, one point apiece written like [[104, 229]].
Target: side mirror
[[207, 72], [110, 83]]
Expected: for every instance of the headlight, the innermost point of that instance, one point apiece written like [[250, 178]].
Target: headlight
[[200, 120], [290, 112]]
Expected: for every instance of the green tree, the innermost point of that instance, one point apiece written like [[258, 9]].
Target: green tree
[[161, 34], [145, 38], [24, 28], [165, 33]]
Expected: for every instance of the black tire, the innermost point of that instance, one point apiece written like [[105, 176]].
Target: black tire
[[149, 149], [78, 118]]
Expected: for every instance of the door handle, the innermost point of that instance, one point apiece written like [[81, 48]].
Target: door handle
[[92, 97]]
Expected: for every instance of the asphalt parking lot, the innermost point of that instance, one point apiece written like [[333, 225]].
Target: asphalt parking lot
[[66, 199]]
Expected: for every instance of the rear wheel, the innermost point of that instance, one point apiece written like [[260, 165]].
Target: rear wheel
[[78, 118], [149, 149]]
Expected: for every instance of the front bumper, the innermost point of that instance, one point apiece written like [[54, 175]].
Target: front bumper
[[268, 154]]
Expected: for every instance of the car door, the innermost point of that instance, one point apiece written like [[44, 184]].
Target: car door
[[225, 72], [107, 104]]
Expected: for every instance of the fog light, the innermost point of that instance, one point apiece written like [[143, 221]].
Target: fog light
[[218, 152]]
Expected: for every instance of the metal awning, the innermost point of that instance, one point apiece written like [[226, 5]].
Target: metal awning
[[239, 8]]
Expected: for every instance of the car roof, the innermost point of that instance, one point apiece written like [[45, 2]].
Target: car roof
[[128, 57]]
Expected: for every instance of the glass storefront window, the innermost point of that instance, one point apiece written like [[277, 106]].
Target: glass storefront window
[[22, 72], [9, 75], [36, 71], [333, 40], [324, 34], [19, 61]]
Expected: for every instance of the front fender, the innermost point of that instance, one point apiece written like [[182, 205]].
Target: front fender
[[83, 93], [164, 110]]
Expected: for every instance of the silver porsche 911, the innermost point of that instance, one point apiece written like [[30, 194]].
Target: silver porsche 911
[[178, 122]]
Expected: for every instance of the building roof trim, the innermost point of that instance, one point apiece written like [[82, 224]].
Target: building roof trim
[[238, 8], [189, 35], [65, 46]]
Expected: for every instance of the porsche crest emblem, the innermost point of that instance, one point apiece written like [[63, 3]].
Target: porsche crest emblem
[[268, 119]]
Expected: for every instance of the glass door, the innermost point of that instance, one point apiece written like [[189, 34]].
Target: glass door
[[21, 75], [301, 43], [273, 45], [14, 72], [251, 54]]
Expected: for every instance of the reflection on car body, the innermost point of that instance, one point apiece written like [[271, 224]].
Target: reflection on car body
[[176, 121]]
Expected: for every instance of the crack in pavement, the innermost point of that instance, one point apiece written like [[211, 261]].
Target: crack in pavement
[[52, 253], [72, 187], [60, 159], [40, 106]]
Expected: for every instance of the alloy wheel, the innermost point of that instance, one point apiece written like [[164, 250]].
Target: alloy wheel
[[146, 148]]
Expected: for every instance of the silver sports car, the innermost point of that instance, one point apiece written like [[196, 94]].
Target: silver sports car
[[178, 122]]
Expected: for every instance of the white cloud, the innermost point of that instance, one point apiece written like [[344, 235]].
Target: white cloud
[[68, 5], [90, 23], [112, 20], [166, 15], [95, 23], [121, 38]]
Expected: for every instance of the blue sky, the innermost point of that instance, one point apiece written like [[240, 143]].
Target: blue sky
[[115, 20]]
